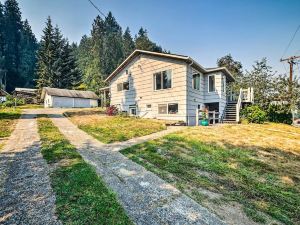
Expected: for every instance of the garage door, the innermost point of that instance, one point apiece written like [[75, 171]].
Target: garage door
[[82, 103], [62, 102]]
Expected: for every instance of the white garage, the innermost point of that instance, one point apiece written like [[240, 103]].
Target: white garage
[[64, 98]]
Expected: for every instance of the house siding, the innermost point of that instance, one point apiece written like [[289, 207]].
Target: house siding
[[66, 102], [141, 87]]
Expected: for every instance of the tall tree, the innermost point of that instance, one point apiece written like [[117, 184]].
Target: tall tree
[[112, 54], [2, 44], [28, 55], [143, 42], [46, 56], [128, 43], [12, 29]]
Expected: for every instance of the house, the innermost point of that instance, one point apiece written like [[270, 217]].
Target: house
[[3, 95], [64, 98], [28, 94], [170, 87]]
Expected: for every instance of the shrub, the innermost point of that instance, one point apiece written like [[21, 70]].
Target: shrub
[[112, 110], [280, 114], [254, 114], [11, 101]]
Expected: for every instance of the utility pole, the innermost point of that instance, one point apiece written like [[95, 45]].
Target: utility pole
[[291, 61]]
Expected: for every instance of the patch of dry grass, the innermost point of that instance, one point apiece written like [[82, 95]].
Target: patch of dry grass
[[109, 129], [8, 118]]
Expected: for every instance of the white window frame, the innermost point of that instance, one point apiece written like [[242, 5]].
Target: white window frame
[[167, 104], [199, 81], [123, 86], [214, 84], [161, 78]]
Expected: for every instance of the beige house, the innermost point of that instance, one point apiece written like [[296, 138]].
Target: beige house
[[167, 86]]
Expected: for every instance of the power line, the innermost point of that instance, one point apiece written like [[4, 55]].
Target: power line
[[290, 41], [97, 8]]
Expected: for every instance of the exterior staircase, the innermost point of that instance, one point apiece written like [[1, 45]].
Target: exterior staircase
[[230, 113]]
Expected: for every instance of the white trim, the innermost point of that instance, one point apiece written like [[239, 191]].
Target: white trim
[[161, 73]]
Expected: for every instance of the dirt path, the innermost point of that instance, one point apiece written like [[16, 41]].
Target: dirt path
[[146, 198], [26, 196]]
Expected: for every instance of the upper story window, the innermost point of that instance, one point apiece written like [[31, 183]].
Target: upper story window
[[123, 86], [223, 84], [196, 81], [162, 80], [211, 83]]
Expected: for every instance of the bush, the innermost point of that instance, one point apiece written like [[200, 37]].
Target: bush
[[112, 110], [280, 114], [11, 101], [254, 114]]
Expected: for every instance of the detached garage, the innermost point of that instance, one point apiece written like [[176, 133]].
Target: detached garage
[[63, 98]]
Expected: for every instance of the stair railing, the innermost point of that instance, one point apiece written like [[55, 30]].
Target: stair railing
[[239, 105]]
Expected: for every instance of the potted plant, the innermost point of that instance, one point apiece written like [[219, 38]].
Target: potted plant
[[204, 121]]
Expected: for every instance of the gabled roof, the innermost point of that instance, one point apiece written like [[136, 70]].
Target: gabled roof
[[68, 93], [27, 90], [184, 58], [3, 93]]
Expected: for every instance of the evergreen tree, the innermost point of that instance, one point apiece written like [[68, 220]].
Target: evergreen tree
[[12, 38], [46, 56], [143, 42], [28, 55], [2, 59], [128, 43], [112, 54]]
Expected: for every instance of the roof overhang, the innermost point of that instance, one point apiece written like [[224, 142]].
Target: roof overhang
[[186, 59]]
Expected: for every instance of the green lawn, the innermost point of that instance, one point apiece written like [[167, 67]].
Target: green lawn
[[202, 161], [81, 195], [109, 129], [8, 117]]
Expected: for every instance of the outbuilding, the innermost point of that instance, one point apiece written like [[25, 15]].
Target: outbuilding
[[3, 95], [64, 98]]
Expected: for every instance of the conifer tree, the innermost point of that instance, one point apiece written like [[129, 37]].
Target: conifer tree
[[143, 42], [2, 59], [128, 43]]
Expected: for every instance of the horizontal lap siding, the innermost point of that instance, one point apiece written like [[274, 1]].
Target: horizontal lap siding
[[142, 90]]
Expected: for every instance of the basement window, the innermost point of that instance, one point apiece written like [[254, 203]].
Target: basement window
[[162, 109], [173, 108]]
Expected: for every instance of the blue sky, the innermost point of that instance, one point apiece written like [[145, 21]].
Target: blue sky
[[204, 30]]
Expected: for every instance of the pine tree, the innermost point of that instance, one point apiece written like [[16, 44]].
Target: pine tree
[[143, 42], [46, 56], [12, 37], [112, 54], [28, 55], [128, 43]]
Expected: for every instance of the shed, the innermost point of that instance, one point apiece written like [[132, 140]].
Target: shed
[[64, 98], [28, 94], [3, 95]]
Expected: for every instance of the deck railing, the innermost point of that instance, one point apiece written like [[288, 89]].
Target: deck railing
[[247, 96]]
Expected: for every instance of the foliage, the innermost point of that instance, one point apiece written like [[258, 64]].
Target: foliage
[[200, 164], [112, 110], [254, 114], [280, 113], [17, 48], [11, 101], [56, 60], [143, 42], [8, 117], [81, 195], [109, 129]]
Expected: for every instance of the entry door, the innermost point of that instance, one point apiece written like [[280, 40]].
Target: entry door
[[132, 110]]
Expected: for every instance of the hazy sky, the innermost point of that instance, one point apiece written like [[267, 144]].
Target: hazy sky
[[204, 30]]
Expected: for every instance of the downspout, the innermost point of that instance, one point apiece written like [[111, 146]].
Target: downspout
[[187, 90]]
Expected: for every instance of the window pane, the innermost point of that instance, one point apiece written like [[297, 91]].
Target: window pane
[[162, 109], [120, 87], [126, 86], [157, 77], [211, 80], [173, 108], [167, 79], [196, 81]]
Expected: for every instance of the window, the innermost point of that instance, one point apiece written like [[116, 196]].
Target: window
[[148, 106], [211, 83], [162, 109], [123, 86], [223, 84], [196, 81], [173, 108], [162, 80], [132, 109]]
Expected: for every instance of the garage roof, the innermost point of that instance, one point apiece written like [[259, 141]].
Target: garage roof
[[68, 93]]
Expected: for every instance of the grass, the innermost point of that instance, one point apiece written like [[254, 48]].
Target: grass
[[255, 165], [109, 129], [8, 117], [81, 196], [30, 106]]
